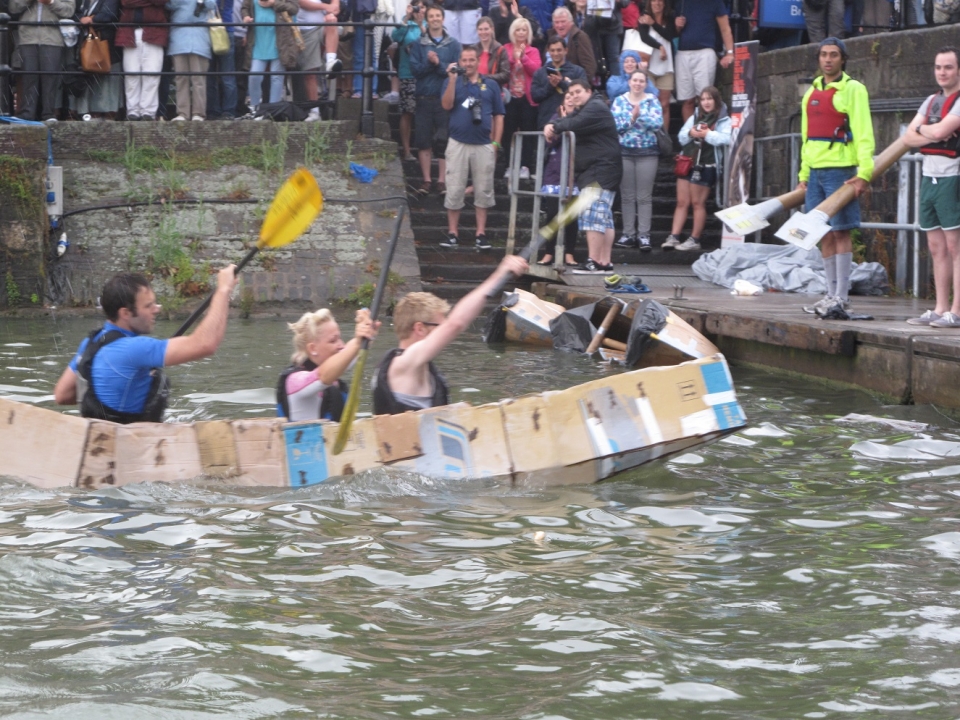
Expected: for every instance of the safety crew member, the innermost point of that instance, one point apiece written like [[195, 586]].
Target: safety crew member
[[117, 372], [838, 144], [407, 379], [310, 388], [936, 132]]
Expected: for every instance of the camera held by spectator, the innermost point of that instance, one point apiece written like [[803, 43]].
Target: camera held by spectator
[[476, 111]]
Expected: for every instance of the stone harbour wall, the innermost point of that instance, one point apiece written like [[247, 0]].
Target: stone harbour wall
[[179, 200]]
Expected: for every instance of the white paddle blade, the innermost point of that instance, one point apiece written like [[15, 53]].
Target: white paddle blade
[[805, 229], [742, 219]]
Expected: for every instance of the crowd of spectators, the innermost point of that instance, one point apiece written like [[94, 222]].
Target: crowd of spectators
[[607, 70]]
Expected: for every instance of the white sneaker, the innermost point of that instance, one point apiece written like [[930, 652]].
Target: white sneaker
[[670, 243], [821, 305], [313, 116], [198, 118], [506, 175], [179, 118], [51, 121], [688, 245], [524, 173], [391, 97]]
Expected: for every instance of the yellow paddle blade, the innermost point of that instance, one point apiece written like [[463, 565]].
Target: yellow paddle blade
[[353, 402], [296, 205]]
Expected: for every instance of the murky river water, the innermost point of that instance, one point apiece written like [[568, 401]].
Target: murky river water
[[803, 567]]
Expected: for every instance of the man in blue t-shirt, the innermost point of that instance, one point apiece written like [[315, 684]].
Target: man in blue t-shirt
[[476, 125], [696, 62], [123, 371]]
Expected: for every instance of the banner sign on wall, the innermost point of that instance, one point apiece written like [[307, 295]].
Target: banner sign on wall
[[743, 115], [781, 14]]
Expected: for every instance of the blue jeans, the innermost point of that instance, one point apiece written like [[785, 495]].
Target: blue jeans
[[358, 59], [256, 80], [222, 87], [824, 182]]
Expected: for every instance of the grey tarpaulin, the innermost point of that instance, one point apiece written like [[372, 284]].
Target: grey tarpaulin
[[785, 268]]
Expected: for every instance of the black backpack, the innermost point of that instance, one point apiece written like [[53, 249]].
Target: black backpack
[[283, 111]]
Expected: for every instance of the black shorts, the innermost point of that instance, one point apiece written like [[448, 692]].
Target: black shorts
[[705, 175], [430, 122]]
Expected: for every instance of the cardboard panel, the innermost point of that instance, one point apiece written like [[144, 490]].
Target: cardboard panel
[[361, 453], [528, 321], [157, 452], [218, 452], [461, 441], [261, 452], [398, 436], [679, 334], [99, 465], [306, 453], [28, 433], [533, 425]]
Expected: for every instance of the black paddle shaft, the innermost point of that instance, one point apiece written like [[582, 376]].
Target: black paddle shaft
[[526, 253], [206, 303], [385, 271]]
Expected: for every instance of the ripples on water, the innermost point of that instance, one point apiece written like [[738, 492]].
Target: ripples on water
[[802, 567]]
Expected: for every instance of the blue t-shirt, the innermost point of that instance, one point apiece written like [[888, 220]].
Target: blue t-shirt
[[121, 370], [264, 38], [700, 32], [462, 128]]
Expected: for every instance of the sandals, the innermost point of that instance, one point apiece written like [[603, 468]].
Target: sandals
[[544, 261]]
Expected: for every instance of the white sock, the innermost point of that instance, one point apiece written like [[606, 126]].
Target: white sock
[[844, 268], [830, 267], [331, 57]]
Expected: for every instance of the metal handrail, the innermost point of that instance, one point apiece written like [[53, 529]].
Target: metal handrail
[[568, 148], [368, 72]]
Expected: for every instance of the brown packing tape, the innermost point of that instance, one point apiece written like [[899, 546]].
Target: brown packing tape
[[99, 464], [218, 451]]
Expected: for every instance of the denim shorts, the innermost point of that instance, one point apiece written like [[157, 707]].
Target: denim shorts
[[822, 184]]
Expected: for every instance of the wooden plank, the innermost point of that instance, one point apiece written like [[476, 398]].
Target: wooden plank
[[27, 436], [800, 335]]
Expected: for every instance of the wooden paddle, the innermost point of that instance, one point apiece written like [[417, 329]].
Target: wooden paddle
[[611, 315], [353, 397], [294, 207]]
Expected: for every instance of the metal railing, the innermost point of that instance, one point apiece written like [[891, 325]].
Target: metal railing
[[369, 71], [568, 149], [908, 205]]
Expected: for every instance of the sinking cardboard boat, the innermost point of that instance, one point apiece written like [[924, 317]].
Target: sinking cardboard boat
[[579, 435], [644, 334]]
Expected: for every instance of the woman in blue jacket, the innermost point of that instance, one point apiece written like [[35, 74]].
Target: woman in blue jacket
[[619, 82], [189, 48]]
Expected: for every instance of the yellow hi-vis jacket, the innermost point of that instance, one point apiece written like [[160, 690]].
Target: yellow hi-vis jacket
[[851, 99]]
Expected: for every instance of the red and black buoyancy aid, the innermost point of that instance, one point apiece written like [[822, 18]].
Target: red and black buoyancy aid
[[939, 108], [824, 122]]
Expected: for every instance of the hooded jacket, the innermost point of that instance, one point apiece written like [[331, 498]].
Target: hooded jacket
[[430, 77], [638, 136], [619, 83], [852, 99], [33, 11], [718, 136], [598, 155]]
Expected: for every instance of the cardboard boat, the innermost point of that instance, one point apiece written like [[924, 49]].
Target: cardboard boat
[[579, 435], [644, 334]]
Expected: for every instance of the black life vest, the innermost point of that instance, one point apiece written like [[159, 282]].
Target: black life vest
[[332, 400], [90, 404], [939, 108], [824, 122], [386, 403]]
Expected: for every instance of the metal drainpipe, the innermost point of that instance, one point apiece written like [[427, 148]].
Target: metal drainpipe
[[366, 117], [6, 94]]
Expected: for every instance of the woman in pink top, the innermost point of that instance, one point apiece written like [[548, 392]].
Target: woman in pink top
[[521, 109], [310, 387]]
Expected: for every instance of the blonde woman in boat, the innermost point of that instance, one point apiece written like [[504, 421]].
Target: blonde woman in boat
[[310, 387], [407, 379]]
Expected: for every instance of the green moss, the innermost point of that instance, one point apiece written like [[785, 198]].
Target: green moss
[[268, 157], [13, 291], [16, 180]]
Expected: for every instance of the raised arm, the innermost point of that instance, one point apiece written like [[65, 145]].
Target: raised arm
[[205, 340]]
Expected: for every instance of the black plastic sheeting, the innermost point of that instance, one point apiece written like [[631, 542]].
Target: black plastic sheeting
[[650, 317], [574, 329], [495, 329]]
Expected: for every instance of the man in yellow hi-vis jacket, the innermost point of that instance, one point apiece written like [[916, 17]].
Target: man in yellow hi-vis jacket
[[837, 149]]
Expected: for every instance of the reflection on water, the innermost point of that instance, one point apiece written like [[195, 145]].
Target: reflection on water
[[803, 567]]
